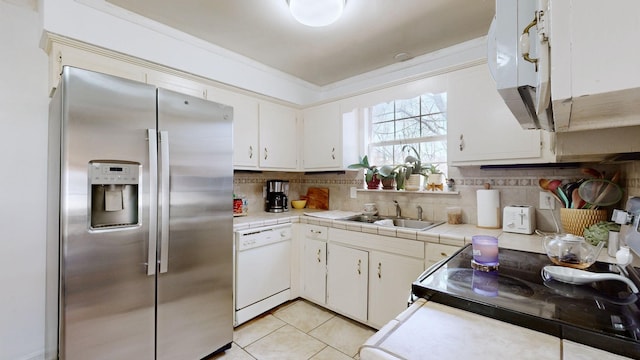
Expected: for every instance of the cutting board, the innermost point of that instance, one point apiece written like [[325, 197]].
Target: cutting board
[[318, 198]]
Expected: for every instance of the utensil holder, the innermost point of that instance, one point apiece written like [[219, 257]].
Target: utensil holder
[[574, 221]]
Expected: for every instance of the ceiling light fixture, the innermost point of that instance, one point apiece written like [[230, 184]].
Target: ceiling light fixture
[[316, 13]]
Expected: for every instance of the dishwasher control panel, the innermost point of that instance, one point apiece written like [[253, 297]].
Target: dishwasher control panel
[[252, 238]]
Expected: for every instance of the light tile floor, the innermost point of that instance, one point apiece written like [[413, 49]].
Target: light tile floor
[[298, 330]]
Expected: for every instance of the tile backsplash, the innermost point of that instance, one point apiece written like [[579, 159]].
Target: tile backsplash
[[517, 187]]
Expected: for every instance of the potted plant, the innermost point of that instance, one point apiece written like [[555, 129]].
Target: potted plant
[[414, 176], [387, 176], [435, 178], [370, 172], [403, 174]]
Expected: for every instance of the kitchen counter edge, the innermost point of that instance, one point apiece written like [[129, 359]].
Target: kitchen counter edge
[[446, 234]]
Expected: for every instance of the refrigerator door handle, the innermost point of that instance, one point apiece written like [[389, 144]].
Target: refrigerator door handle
[[164, 208], [153, 201]]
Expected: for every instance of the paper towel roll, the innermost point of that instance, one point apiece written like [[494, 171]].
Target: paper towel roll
[[489, 209]]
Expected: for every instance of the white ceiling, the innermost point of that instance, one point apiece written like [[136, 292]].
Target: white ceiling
[[367, 37]]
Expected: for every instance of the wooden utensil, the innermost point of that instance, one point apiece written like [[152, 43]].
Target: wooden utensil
[[592, 172], [576, 201]]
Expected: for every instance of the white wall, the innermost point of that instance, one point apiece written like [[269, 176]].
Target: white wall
[[23, 153], [23, 125], [100, 23]]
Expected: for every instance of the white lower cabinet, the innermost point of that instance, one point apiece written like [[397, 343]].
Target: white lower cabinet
[[390, 278], [314, 264], [347, 270], [362, 276], [437, 252], [369, 276]]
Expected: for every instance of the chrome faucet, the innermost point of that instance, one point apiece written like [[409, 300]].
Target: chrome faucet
[[398, 210], [419, 212]]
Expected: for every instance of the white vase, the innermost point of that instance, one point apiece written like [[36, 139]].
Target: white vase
[[434, 182], [413, 183]]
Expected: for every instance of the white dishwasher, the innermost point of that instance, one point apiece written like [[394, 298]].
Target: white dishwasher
[[262, 276]]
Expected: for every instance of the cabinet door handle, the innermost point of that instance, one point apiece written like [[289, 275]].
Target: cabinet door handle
[[266, 155], [319, 255], [359, 266], [461, 145], [315, 231], [525, 44], [333, 153], [250, 152], [444, 255], [379, 270]]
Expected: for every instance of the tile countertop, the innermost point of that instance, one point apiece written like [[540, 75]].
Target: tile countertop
[[443, 336], [447, 234], [432, 330]]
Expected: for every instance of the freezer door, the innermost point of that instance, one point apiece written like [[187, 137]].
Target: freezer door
[[106, 297], [195, 309]]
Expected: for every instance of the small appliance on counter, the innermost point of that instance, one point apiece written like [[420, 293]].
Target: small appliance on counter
[[519, 219], [277, 196], [629, 221]]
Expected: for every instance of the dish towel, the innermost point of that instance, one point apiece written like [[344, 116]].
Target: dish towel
[[385, 222]]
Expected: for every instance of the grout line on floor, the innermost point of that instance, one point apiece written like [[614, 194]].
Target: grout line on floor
[[272, 312]]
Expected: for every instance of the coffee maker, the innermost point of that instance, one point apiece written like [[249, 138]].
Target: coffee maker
[[277, 196]]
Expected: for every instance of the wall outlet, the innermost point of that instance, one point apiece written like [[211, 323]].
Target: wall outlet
[[354, 192], [547, 201]]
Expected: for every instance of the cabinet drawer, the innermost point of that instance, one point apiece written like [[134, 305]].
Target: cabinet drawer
[[392, 245], [315, 232], [437, 252]]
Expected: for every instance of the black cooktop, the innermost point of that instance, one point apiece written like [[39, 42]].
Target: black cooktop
[[605, 314]]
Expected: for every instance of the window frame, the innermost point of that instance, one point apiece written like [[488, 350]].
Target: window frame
[[396, 144]]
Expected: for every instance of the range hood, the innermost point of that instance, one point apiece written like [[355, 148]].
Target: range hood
[[518, 57], [557, 68]]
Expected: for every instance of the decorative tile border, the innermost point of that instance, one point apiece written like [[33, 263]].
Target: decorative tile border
[[497, 182], [494, 182], [333, 181]]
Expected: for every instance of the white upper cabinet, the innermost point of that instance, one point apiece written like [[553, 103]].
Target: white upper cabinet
[[330, 137], [482, 130], [595, 76], [278, 127], [245, 126]]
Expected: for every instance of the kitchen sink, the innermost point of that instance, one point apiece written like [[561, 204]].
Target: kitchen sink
[[401, 222]]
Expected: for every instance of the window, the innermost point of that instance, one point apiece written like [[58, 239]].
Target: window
[[420, 122]]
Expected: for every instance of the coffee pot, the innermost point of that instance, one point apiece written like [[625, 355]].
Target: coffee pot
[[277, 196]]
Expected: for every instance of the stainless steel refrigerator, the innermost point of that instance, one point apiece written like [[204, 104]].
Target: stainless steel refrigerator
[[140, 228]]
